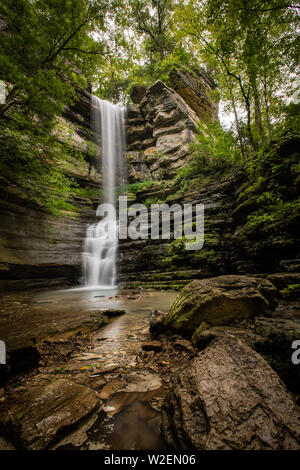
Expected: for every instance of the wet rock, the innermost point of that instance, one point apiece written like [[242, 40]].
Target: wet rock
[[157, 321], [20, 359], [270, 337], [291, 265], [142, 382], [220, 301], [230, 398], [111, 387], [205, 334], [152, 346], [44, 412], [112, 312]]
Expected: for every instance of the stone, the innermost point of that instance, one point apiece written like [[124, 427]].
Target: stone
[[270, 337], [162, 123], [184, 345], [51, 245], [291, 265], [111, 387], [230, 398], [220, 301], [113, 312], [45, 411], [274, 338], [283, 280], [157, 321], [5, 445], [137, 93], [142, 382], [149, 151], [152, 346]]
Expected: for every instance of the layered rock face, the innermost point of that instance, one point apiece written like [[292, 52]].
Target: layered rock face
[[162, 122], [157, 261], [162, 125]]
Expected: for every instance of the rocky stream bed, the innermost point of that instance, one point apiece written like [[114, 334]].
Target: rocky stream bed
[[86, 372]]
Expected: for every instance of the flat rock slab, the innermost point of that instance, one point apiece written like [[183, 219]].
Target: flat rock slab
[[230, 398], [46, 410], [220, 301]]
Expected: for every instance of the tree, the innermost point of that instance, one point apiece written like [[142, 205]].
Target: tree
[[153, 19], [48, 48], [43, 51], [251, 44]]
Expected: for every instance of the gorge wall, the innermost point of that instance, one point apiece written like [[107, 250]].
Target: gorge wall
[[38, 249]]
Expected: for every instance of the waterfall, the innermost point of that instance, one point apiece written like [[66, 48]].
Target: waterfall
[[99, 257]]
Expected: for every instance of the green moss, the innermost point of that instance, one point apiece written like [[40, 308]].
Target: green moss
[[143, 186], [291, 292], [87, 192]]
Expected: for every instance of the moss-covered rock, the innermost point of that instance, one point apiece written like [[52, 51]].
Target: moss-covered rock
[[220, 301]]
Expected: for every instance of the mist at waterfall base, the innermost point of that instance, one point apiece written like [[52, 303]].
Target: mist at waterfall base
[[100, 247]]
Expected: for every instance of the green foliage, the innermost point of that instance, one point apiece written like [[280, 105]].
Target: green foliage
[[87, 193], [151, 200], [46, 52], [271, 194], [134, 188], [43, 50], [213, 152], [215, 146], [33, 163], [291, 292], [252, 49]]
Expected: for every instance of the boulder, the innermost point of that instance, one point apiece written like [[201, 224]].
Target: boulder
[[229, 398], [272, 338], [157, 321], [220, 300], [45, 411]]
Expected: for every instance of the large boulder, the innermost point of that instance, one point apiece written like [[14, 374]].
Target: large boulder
[[45, 411], [270, 337], [230, 398], [220, 301]]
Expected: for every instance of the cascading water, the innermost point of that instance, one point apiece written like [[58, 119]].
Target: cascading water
[[99, 257]]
